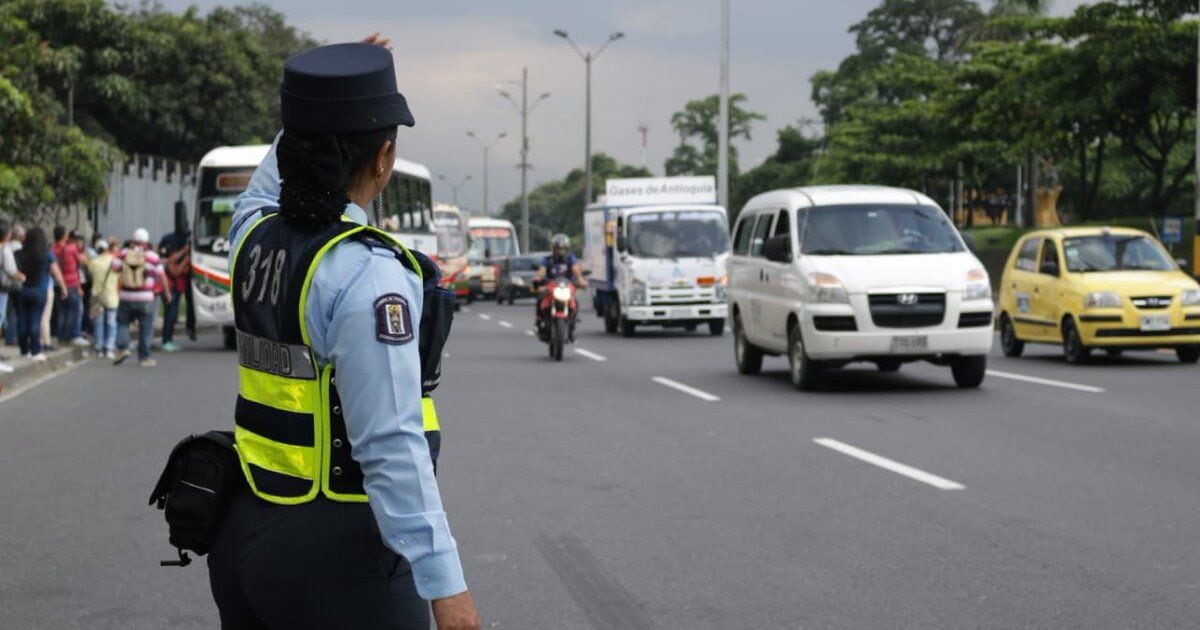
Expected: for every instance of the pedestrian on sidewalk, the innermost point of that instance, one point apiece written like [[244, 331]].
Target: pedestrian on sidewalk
[[70, 306], [140, 277], [175, 250], [11, 280], [14, 246], [36, 261], [104, 301]]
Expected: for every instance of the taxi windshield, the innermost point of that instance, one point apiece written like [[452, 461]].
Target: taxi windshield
[[874, 230], [1115, 252]]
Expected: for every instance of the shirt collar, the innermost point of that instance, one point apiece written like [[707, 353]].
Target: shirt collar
[[355, 213]]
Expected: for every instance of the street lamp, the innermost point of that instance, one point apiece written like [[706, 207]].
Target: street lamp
[[588, 57], [454, 187], [524, 109], [486, 147]]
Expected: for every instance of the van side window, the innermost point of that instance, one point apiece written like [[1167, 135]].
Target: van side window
[[1027, 257], [801, 220], [782, 224], [761, 229], [741, 240]]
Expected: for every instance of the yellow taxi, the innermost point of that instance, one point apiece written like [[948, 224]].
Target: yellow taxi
[[1091, 288]]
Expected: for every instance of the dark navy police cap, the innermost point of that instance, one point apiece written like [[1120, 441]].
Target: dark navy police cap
[[342, 88]]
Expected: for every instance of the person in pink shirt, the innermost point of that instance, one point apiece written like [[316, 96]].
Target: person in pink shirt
[[70, 306], [140, 277]]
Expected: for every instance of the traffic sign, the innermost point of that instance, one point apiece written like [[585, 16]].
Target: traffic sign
[[1172, 230]]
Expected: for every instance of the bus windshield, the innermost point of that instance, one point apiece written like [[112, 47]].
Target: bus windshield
[[452, 239], [678, 234], [213, 219], [487, 243]]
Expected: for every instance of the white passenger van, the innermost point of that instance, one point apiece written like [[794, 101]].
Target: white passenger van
[[829, 275]]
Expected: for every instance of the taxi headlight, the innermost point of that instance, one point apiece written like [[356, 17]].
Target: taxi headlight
[[562, 293], [1191, 297], [827, 288], [1102, 299], [637, 293]]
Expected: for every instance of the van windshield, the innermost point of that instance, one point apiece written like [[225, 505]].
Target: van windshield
[[678, 234], [874, 230], [1115, 253]]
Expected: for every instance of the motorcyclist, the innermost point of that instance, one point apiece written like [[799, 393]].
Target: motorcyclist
[[561, 263]]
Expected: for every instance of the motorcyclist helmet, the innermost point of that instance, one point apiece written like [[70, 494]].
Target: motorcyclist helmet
[[559, 244]]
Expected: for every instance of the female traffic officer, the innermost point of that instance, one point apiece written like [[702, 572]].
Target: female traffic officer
[[341, 524]]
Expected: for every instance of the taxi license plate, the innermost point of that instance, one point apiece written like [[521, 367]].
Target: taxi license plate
[[910, 343], [1156, 323]]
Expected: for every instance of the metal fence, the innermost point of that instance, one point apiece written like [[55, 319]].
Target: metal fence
[[142, 193]]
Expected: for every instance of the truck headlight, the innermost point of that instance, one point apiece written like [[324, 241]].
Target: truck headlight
[[637, 293], [719, 293], [827, 288], [1102, 299], [1191, 297]]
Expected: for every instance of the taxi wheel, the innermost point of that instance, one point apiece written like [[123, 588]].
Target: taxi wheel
[[748, 358], [1188, 354], [1073, 349], [805, 373], [1009, 343]]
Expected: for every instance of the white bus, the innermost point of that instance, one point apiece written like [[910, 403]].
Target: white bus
[[225, 172]]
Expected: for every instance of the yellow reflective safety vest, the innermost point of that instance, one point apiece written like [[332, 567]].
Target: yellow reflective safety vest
[[288, 424]]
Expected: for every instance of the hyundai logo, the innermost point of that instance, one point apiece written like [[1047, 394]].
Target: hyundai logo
[[907, 299]]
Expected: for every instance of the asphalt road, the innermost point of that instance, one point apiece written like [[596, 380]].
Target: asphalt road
[[642, 483]]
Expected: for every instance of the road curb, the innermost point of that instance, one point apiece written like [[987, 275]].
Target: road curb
[[27, 371]]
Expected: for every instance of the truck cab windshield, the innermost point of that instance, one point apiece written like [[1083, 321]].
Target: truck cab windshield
[[677, 234]]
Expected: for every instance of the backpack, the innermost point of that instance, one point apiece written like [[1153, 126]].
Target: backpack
[[201, 475], [133, 270]]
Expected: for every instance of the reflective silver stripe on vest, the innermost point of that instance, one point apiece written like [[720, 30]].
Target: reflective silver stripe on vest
[[273, 357]]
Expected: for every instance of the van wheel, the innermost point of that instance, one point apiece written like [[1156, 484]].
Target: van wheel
[[806, 373], [1188, 354], [890, 365], [1073, 349], [612, 317], [1009, 343], [230, 337], [969, 371], [745, 354], [716, 327]]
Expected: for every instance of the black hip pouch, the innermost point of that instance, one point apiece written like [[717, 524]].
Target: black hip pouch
[[195, 488]]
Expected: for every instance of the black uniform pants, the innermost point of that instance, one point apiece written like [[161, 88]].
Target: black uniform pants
[[316, 566]]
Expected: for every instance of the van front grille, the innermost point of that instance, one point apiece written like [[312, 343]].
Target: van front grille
[[907, 310]]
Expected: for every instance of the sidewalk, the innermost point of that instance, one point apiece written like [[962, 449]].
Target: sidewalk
[[26, 371]]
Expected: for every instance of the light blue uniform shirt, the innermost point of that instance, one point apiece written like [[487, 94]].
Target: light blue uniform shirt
[[380, 389]]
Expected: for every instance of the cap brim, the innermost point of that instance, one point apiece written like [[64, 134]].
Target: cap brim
[[345, 115]]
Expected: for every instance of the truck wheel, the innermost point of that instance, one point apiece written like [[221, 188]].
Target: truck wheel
[[628, 328], [806, 373], [230, 337], [745, 354], [1009, 343], [1188, 354], [1073, 349], [716, 327], [612, 317], [969, 371]]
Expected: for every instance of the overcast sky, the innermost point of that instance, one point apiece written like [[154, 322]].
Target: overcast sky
[[452, 54]]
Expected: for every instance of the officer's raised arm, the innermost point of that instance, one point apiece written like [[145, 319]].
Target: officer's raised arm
[[263, 192]]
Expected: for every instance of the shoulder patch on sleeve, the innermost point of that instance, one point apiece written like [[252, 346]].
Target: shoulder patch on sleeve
[[393, 320]]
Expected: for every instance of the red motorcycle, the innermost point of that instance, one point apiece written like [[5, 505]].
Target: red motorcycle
[[557, 310]]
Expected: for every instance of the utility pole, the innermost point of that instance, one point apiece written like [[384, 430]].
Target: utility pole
[[487, 146], [644, 129], [454, 187], [1196, 175], [524, 110], [588, 58], [723, 130]]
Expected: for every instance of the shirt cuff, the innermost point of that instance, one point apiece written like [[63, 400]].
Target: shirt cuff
[[439, 575]]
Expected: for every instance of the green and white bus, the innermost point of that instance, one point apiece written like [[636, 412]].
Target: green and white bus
[[225, 172]]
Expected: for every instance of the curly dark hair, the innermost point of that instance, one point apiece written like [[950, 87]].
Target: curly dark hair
[[316, 169]]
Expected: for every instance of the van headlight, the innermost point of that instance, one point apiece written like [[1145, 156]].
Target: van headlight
[[827, 288], [637, 293], [1191, 297], [1102, 299], [978, 287]]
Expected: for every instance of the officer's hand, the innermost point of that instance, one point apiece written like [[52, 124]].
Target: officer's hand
[[375, 38], [456, 612]]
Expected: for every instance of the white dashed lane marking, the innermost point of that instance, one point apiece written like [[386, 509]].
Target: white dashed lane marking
[[687, 389], [529, 332], [504, 324], [1046, 381], [940, 483], [485, 317], [591, 355]]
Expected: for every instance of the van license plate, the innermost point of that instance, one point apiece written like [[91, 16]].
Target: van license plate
[[910, 343], [1156, 323]]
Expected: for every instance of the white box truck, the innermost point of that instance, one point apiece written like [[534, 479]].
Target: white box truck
[[655, 249]]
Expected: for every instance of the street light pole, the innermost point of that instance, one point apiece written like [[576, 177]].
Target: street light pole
[[454, 187], [588, 58], [723, 120], [524, 109], [487, 147]]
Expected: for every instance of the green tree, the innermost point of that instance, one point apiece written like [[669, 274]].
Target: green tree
[[697, 124], [791, 165]]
